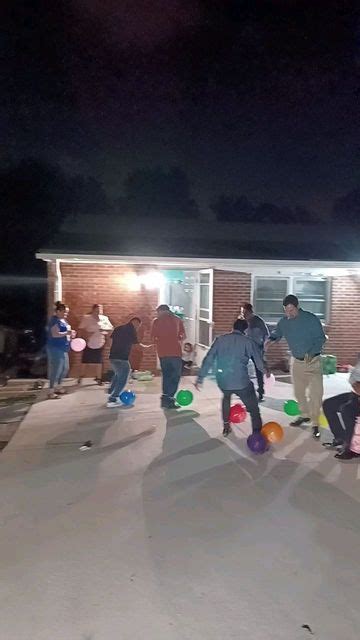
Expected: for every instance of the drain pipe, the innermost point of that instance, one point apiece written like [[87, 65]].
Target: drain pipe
[[58, 281]]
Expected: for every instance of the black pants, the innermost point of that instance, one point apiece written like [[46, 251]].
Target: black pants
[[171, 367], [347, 404], [260, 379], [248, 397]]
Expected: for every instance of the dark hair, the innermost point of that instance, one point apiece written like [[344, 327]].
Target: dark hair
[[135, 318], [59, 306], [240, 325], [290, 299], [163, 307], [95, 306], [248, 307]]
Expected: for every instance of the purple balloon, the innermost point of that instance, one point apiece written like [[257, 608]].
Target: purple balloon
[[257, 443]]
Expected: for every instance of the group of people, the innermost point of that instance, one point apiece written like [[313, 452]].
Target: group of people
[[228, 358]]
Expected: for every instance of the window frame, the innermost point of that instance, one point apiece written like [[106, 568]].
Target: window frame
[[291, 288], [200, 318]]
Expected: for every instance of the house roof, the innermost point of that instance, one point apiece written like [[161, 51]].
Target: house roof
[[113, 236]]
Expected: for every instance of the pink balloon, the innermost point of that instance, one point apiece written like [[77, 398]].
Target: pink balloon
[[269, 382], [78, 344]]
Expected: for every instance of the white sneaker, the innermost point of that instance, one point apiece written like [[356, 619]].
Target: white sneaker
[[113, 405]]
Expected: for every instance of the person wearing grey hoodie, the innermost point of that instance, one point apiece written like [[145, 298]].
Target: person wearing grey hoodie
[[346, 405]]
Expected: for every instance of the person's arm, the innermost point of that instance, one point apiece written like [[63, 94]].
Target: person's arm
[[253, 351], [153, 335], [182, 332], [56, 333], [207, 363], [275, 335], [318, 337]]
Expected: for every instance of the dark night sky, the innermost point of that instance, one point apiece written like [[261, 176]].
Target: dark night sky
[[253, 97]]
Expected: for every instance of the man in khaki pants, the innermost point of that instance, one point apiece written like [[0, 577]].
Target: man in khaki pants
[[305, 336]]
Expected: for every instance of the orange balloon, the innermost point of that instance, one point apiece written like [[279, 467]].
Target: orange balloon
[[273, 432]]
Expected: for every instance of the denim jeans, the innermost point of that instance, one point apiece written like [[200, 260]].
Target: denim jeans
[[121, 369], [347, 405], [171, 367], [248, 397], [58, 366]]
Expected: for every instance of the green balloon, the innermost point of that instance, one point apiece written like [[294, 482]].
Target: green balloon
[[184, 398], [291, 408]]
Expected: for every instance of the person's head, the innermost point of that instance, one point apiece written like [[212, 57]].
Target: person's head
[[61, 310], [240, 325], [291, 306], [136, 322], [162, 308], [355, 379], [188, 347], [97, 310], [248, 311]]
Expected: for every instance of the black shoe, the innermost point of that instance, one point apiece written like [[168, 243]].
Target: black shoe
[[168, 404], [316, 433], [347, 455], [299, 421], [261, 397], [226, 430], [335, 444]]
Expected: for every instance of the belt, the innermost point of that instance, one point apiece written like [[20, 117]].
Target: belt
[[312, 357]]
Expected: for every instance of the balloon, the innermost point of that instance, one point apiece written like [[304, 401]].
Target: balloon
[[78, 344], [127, 397], [237, 413], [272, 432], [269, 382], [184, 398], [323, 421], [257, 443], [291, 408]]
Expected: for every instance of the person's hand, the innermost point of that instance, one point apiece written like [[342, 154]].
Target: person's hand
[[73, 334], [198, 385], [267, 344]]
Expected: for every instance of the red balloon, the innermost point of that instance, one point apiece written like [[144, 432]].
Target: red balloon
[[237, 413]]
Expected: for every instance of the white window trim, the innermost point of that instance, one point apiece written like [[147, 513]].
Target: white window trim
[[209, 320], [291, 281]]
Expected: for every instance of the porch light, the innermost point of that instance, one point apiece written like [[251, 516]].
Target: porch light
[[150, 280]]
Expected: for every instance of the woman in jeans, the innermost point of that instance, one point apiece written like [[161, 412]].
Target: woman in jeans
[[58, 344]]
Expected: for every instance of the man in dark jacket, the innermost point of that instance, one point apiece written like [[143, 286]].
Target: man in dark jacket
[[229, 357]]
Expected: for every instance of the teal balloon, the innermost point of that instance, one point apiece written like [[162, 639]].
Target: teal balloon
[[291, 408], [184, 398]]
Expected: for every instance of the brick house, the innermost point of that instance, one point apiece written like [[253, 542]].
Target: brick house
[[207, 281]]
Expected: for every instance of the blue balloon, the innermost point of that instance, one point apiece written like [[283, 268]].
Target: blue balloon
[[127, 397]]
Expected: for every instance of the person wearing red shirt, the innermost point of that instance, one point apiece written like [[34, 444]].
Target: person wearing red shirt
[[167, 333]]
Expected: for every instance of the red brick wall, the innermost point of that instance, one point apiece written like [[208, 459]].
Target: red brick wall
[[344, 324], [87, 284], [231, 291]]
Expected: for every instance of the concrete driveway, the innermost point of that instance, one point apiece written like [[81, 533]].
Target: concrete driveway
[[165, 531]]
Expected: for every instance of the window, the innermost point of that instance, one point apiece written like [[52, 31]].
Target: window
[[205, 308], [269, 294]]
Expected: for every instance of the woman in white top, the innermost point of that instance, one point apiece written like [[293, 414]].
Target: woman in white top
[[94, 327]]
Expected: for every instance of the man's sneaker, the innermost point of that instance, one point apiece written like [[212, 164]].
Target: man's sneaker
[[226, 430], [347, 455], [316, 433], [261, 397], [169, 404], [113, 404], [335, 444], [299, 421]]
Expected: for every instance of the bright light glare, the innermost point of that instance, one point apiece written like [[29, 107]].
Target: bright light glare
[[150, 280]]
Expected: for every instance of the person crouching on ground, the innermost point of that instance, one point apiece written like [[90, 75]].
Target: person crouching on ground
[[348, 406], [168, 333], [229, 357]]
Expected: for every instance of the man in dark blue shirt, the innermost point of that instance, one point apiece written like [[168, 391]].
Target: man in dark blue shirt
[[123, 338], [259, 333], [305, 336]]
